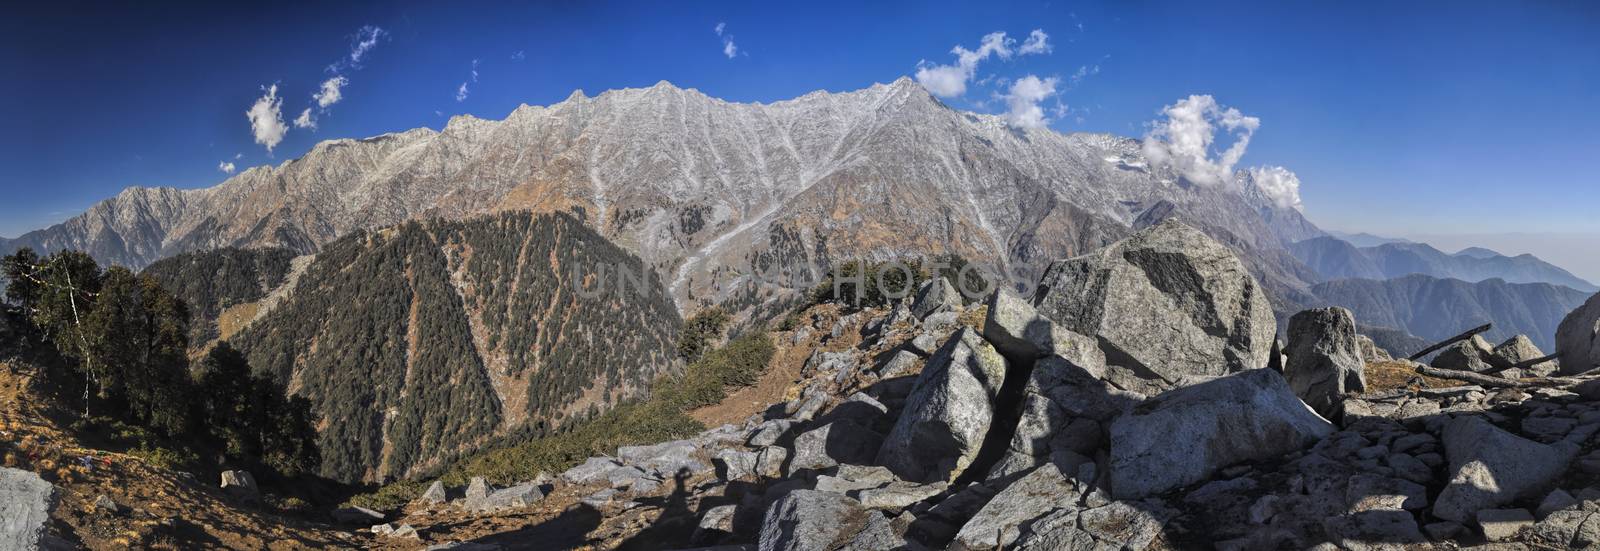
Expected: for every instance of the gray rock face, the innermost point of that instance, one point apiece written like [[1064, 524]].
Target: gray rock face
[[1166, 303], [1492, 467], [521, 495], [1578, 338], [998, 523], [734, 464], [1519, 349], [25, 502], [1183, 436], [1017, 330], [1324, 358], [1469, 355], [807, 520], [935, 296], [947, 415], [842, 441]]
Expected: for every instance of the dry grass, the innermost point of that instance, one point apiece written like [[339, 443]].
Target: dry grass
[[1384, 376], [235, 318]]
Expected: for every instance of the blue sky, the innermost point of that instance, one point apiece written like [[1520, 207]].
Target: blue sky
[[1402, 118]]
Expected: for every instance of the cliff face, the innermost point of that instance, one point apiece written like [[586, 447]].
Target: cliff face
[[704, 190]]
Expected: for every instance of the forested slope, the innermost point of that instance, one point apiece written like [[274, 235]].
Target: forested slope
[[428, 339], [211, 281]]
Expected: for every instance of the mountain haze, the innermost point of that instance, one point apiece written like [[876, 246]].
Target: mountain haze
[[1334, 258]]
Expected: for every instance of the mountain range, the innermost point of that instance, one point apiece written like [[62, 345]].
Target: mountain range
[[1436, 309], [705, 190], [1334, 258]]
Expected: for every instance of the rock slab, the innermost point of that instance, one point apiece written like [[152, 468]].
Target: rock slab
[[1184, 436]]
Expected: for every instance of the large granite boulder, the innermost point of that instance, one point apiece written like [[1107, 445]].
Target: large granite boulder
[[1185, 435], [1324, 358], [947, 415], [999, 522], [1578, 338], [806, 520], [1472, 354], [1491, 467], [1520, 349], [1016, 329], [25, 502], [1166, 303]]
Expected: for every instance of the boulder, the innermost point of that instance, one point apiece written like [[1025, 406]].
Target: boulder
[[1185, 435], [594, 469], [1129, 525], [769, 432], [1491, 467], [1502, 524], [521, 495], [25, 503], [1324, 358], [1018, 332], [1469, 355], [716, 524], [1519, 349], [998, 523], [1578, 338], [734, 464], [1166, 303], [806, 520], [842, 441], [1371, 352], [478, 488], [240, 485], [769, 461], [901, 363], [935, 296], [947, 415], [435, 494], [897, 495]]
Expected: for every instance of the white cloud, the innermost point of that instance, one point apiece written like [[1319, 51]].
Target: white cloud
[[1279, 184], [519, 56], [266, 119], [305, 120], [463, 91], [1184, 140], [364, 40], [951, 80], [238, 156], [331, 92], [1022, 102], [1037, 43], [225, 166], [728, 47]]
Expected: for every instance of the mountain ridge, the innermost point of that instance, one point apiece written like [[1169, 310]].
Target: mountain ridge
[[703, 187], [1335, 258]]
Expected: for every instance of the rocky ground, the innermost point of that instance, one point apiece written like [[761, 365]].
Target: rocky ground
[[1141, 400], [1123, 408]]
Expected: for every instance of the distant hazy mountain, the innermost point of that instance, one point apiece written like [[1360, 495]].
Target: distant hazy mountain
[[1435, 308], [705, 190], [1364, 239], [1335, 258]]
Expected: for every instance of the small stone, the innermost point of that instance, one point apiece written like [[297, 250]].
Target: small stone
[[105, 503]]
